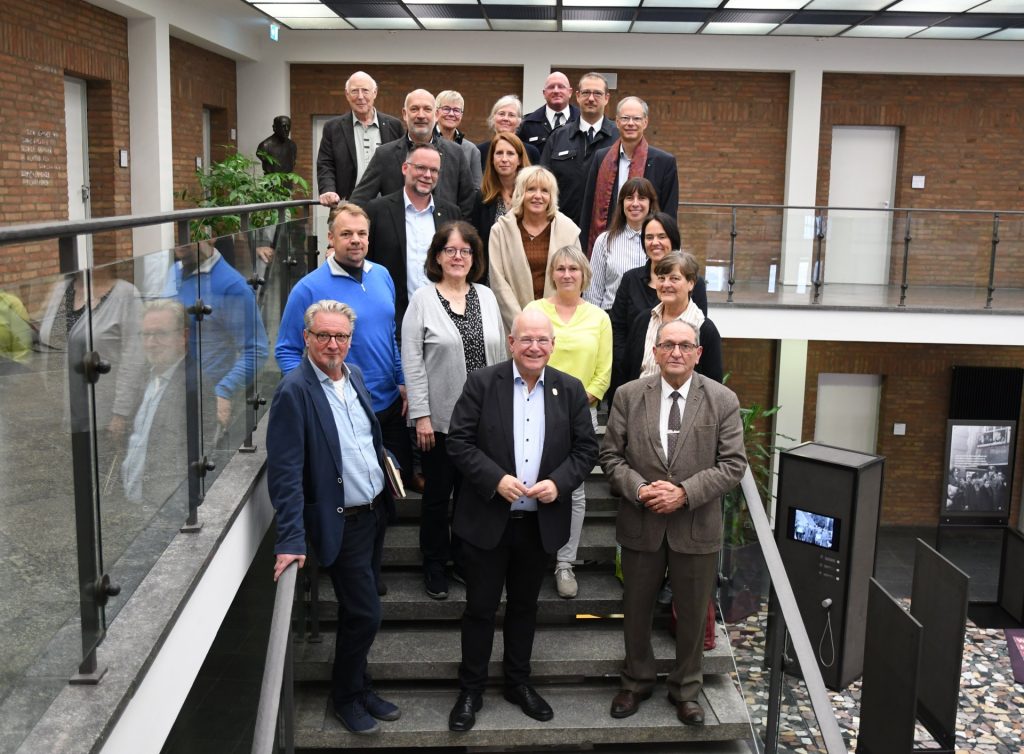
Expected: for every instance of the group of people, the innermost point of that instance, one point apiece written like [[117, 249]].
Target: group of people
[[397, 349]]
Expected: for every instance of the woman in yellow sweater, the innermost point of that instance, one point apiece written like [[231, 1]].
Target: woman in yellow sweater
[[583, 349]]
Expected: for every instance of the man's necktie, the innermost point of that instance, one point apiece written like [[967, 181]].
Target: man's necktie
[[674, 424], [558, 120], [590, 136]]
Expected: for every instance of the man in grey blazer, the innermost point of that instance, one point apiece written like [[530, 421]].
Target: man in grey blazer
[[673, 447], [349, 141]]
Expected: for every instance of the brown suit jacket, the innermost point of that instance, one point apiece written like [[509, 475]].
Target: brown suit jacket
[[708, 461]]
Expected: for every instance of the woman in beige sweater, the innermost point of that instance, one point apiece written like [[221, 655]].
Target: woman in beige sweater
[[523, 239]]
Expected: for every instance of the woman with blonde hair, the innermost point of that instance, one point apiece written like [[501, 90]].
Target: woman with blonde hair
[[583, 349], [524, 239]]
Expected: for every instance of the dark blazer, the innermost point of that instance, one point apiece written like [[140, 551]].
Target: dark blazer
[[384, 176], [659, 170], [708, 461], [481, 445], [710, 364], [304, 473], [566, 155], [531, 151], [336, 161], [387, 239], [534, 128]]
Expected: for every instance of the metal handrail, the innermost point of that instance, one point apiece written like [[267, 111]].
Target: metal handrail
[[44, 231], [277, 672], [823, 711], [827, 208]]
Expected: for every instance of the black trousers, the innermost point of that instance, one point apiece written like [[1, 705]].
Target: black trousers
[[519, 564], [437, 543]]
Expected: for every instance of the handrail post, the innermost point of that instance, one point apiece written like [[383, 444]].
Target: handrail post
[[907, 238], [732, 255], [992, 261], [252, 396], [775, 656], [820, 220], [198, 462]]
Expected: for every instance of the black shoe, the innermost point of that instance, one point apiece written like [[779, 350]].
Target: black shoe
[[436, 582], [458, 575], [382, 588], [463, 714], [530, 702]]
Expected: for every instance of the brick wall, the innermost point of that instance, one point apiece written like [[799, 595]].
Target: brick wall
[[40, 43], [320, 90], [916, 384], [965, 135], [199, 79]]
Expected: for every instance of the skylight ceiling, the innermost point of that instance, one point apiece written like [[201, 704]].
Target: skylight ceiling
[[925, 19]]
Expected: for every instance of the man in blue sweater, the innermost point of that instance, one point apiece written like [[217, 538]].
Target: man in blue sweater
[[347, 276]]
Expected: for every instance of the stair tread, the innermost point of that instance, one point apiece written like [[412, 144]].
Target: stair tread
[[581, 717], [593, 648]]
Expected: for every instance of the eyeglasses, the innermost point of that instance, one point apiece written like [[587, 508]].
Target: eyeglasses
[[684, 348], [598, 93], [323, 338], [447, 110], [630, 118], [423, 168], [527, 342], [451, 251]]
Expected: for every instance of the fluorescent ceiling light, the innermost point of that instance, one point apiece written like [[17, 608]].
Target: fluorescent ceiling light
[[765, 4], [447, 2], [890, 32], [809, 30], [1009, 35], [668, 27], [847, 5], [517, 2], [720, 27], [315, 23], [933, 6], [599, 26], [954, 32], [601, 3], [1000, 6], [382, 23], [305, 2], [523, 24], [297, 10], [681, 3], [455, 24]]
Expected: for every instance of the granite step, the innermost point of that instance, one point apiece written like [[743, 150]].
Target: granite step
[[600, 594], [588, 649], [402, 543], [581, 719]]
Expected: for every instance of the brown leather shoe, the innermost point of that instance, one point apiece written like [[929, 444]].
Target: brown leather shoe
[[627, 702], [689, 713], [416, 483]]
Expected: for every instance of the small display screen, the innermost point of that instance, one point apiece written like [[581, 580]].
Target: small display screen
[[813, 529]]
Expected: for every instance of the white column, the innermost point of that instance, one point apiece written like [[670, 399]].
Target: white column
[[790, 388], [263, 94], [534, 74], [801, 174], [149, 103]]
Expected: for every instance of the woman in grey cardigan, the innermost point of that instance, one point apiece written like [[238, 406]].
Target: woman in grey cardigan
[[450, 328]]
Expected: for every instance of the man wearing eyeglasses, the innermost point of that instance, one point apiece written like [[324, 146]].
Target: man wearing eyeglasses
[[522, 438], [629, 157], [349, 141], [403, 223], [570, 150], [538, 126], [326, 478], [384, 175], [673, 447]]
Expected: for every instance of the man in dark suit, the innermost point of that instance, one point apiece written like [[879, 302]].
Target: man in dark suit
[[384, 175], [569, 151], [630, 157], [669, 465], [326, 478], [402, 224], [556, 112], [522, 438], [348, 142]]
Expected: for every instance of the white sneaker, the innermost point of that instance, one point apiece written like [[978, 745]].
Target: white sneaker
[[565, 582]]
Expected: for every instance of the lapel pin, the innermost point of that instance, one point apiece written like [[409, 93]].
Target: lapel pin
[[554, 391]]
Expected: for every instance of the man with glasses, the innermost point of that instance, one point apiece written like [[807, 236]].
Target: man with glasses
[[570, 150], [403, 223], [385, 174], [326, 478], [673, 447], [555, 113], [522, 438], [369, 290], [348, 142], [629, 157]]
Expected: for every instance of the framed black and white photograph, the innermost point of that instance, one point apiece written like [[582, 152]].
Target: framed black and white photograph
[[979, 471]]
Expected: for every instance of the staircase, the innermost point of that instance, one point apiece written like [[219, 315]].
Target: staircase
[[577, 654]]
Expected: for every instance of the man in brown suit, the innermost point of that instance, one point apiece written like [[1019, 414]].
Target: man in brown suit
[[673, 447]]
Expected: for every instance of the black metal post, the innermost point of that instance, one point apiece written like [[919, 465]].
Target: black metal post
[[907, 238], [198, 464], [820, 221], [252, 396], [992, 261], [778, 636], [732, 255], [312, 254]]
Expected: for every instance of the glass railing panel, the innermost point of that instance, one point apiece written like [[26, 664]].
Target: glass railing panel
[[45, 329], [705, 233], [1009, 270], [948, 250]]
